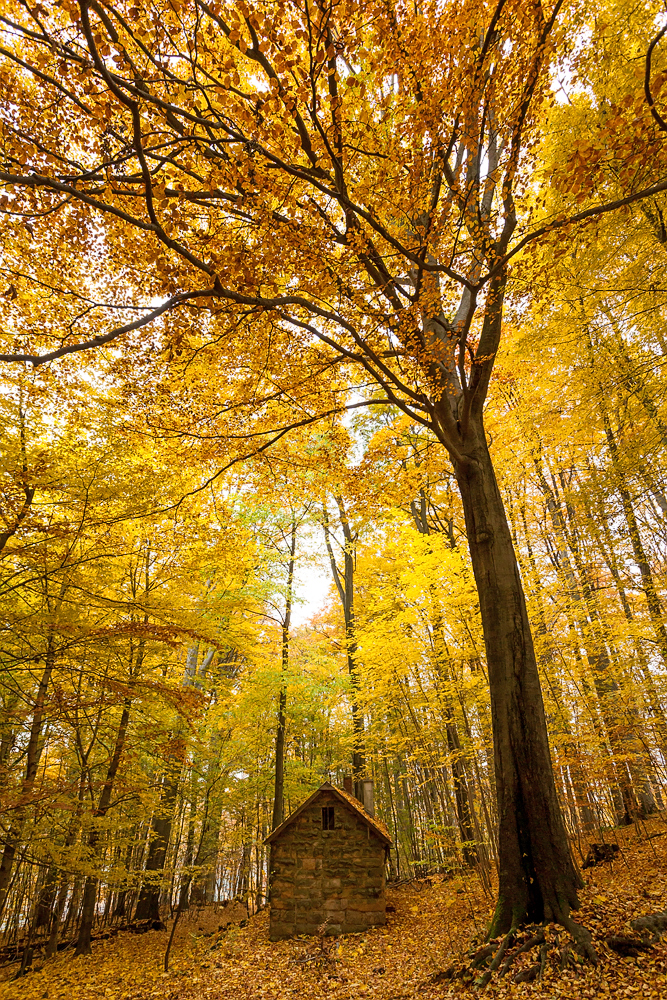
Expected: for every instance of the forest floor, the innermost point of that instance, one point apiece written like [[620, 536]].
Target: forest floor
[[433, 922]]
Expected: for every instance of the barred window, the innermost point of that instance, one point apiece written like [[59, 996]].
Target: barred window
[[328, 818]]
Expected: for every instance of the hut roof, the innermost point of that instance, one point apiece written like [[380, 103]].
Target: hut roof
[[376, 826]]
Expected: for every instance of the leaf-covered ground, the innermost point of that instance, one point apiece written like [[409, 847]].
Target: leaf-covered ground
[[432, 924]]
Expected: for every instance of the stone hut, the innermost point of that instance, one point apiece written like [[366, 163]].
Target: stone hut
[[328, 864]]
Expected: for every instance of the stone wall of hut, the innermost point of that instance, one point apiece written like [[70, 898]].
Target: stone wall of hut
[[334, 875]]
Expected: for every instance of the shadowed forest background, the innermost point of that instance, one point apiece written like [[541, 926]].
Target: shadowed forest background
[[173, 493]]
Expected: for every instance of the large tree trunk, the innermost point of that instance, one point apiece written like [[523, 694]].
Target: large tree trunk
[[538, 880]]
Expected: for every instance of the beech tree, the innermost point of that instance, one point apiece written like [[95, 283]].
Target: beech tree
[[320, 196]]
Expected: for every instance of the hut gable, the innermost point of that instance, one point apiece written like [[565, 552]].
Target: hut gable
[[327, 866]]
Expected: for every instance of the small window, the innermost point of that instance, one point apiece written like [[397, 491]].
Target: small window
[[328, 818]]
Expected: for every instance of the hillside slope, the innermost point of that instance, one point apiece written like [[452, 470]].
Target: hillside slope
[[432, 923]]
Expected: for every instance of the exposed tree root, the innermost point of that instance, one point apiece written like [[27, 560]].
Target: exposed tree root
[[526, 946], [554, 947], [628, 947], [540, 943], [583, 938], [498, 957], [654, 924]]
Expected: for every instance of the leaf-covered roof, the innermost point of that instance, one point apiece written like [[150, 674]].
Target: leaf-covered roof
[[349, 800]]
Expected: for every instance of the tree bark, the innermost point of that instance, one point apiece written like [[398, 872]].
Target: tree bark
[[538, 880]]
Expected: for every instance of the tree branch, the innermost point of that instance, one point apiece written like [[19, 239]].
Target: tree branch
[[647, 82], [86, 345]]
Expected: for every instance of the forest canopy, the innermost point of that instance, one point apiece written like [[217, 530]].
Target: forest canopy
[[369, 290]]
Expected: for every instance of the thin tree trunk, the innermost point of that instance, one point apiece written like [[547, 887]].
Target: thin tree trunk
[[33, 754], [279, 784], [592, 631], [345, 587], [148, 904], [471, 851], [91, 884], [648, 583]]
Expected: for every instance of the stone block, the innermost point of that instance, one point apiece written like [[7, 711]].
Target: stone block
[[304, 878], [279, 931], [361, 921], [307, 927], [365, 906]]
